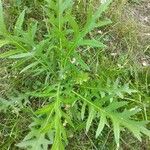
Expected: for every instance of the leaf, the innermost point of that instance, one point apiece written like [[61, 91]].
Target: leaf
[[102, 9], [128, 90], [42, 94], [33, 30], [19, 23], [89, 26], [91, 116], [144, 130], [57, 144], [29, 66], [66, 4], [103, 23], [15, 103], [136, 127], [115, 89], [92, 43], [131, 112], [51, 4], [135, 131], [29, 35], [82, 77], [119, 119], [84, 66], [115, 105], [83, 110], [116, 130], [3, 42], [91, 21], [45, 109], [68, 119], [4, 105], [37, 142], [101, 125], [119, 94], [74, 25], [64, 135]]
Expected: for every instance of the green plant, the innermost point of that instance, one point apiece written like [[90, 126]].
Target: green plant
[[63, 78]]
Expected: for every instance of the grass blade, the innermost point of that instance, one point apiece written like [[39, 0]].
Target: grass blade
[[3, 42], [22, 55], [2, 23], [9, 53]]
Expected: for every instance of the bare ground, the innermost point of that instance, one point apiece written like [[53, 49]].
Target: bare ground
[[141, 14]]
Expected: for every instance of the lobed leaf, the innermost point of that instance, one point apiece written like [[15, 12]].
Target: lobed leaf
[[119, 119]]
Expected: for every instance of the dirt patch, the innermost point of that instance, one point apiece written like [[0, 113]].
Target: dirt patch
[[141, 14]]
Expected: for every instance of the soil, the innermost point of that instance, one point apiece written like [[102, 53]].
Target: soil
[[141, 14]]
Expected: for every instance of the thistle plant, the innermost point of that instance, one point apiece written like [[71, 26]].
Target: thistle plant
[[56, 71]]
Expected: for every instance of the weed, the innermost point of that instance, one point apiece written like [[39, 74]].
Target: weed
[[65, 86]]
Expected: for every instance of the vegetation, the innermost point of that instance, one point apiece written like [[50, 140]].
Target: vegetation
[[64, 76]]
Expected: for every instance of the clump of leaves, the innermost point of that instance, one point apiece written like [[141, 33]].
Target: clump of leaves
[[55, 71]]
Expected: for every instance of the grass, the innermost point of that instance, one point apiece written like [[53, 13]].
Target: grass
[[70, 74]]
